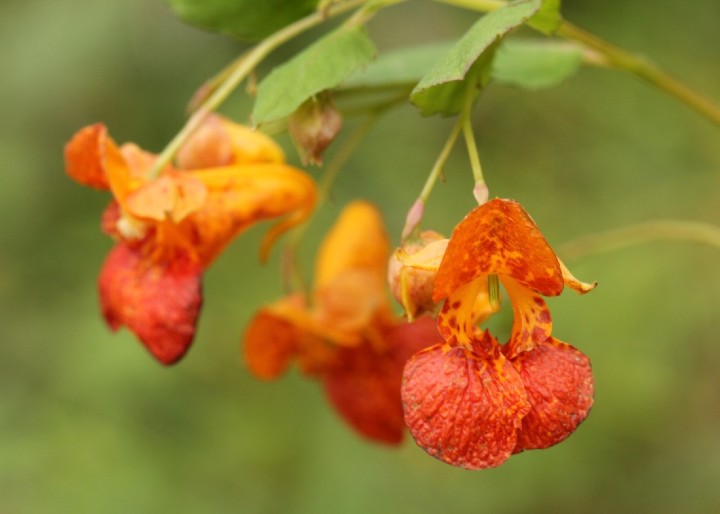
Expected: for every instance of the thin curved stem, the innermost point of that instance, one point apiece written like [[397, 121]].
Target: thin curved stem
[[641, 233], [242, 68], [295, 280], [440, 161], [617, 58], [621, 59]]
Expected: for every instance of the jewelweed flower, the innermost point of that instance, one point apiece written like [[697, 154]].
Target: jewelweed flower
[[469, 400], [170, 228], [345, 334]]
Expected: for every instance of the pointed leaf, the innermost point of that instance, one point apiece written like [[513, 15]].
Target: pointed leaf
[[442, 90], [547, 19], [245, 19], [323, 65], [404, 66], [535, 64]]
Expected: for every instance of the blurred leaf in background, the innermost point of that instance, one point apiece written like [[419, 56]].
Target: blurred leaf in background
[[88, 423]]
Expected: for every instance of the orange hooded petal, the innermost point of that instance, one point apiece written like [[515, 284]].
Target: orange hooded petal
[[220, 142], [499, 238], [85, 156], [464, 408], [270, 343], [559, 383], [159, 302], [239, 196]]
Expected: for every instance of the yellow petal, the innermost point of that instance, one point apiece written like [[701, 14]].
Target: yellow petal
[[239, 196], [573, 283], [221, 142], [357, 241], [426, 259], [532, 323]]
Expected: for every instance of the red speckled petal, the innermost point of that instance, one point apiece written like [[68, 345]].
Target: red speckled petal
[[159, 302], [559, 383], [500, 238], [532, 323], [270, 342], [85, 156], [365, 386], [462, 408]]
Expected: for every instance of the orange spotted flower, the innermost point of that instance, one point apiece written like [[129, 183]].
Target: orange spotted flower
[[346, 335], [170, 228], [469, 400]]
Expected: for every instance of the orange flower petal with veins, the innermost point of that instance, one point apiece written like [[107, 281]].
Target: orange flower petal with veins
[[220, 142], [159, 302], [464, 407], [559, 383], [500, 238]]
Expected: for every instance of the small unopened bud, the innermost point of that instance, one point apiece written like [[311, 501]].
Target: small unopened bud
[[313, 126], [411, 286]]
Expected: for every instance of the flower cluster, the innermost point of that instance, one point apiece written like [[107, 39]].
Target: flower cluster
[[469, 400], [466, 398], [171, 227]]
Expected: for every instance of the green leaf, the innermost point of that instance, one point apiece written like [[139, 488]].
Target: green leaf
[[467, 64], [401, 67], [535, 64], [250, 20], [322, 65], [548, 18]]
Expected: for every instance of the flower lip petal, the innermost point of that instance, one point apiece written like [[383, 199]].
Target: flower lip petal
[[158, 301], [462, 408], [559, 382], [499, 237]]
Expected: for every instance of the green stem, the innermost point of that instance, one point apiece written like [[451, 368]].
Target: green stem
[[472, 150], [641, 233], [477, 5], [440, 162], [622, 59], [336, 163], [243, 68]]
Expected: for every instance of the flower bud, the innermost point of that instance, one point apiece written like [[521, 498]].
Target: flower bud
[[412, 285], [313, 126]]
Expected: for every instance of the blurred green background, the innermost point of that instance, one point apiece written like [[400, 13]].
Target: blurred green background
[[89, 423]]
